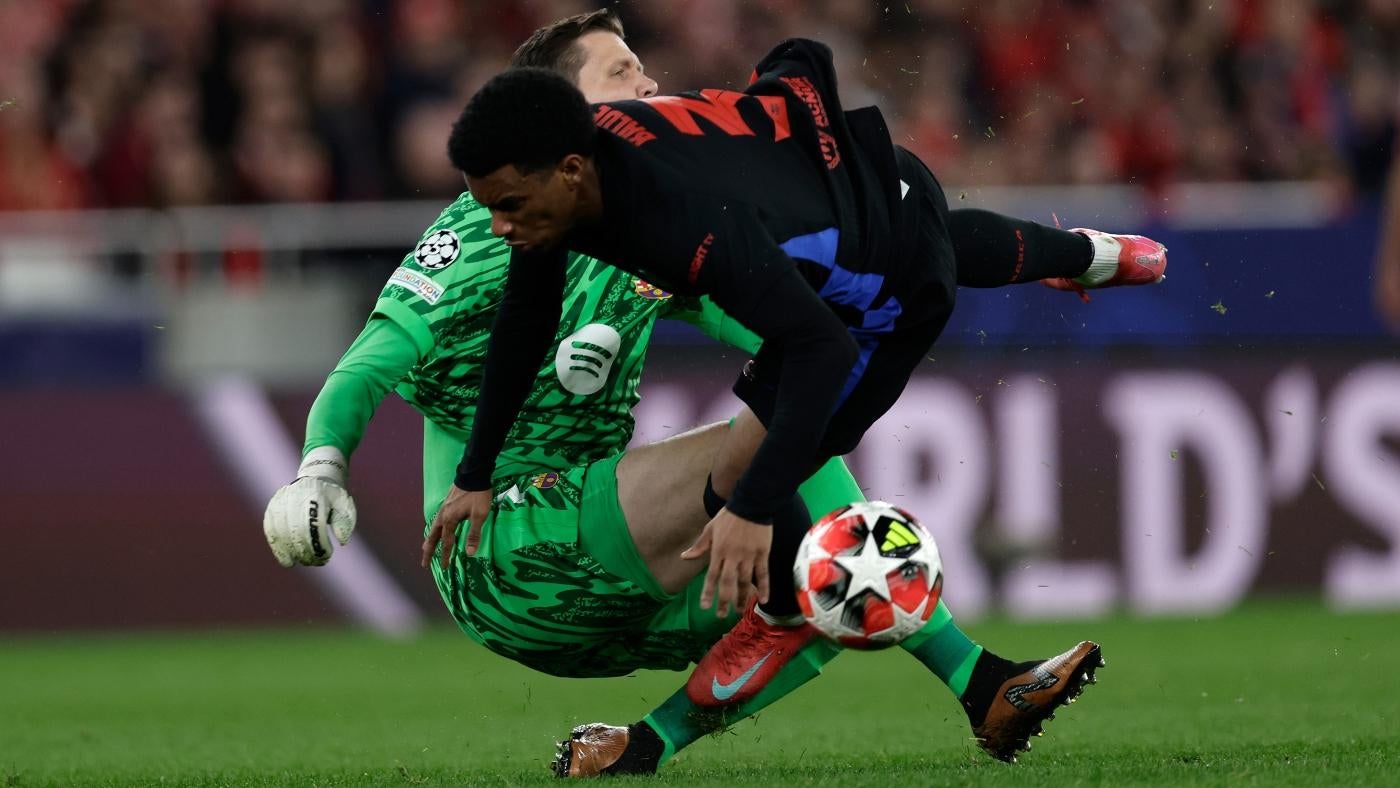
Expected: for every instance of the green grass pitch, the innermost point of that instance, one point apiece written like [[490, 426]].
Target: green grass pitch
[[1274, 694]]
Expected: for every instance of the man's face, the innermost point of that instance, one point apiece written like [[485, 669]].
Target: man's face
[[533, 210], [610, 70]]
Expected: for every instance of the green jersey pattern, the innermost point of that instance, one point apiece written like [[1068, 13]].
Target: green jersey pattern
[[531, 593], [445, 294], [548, 604]]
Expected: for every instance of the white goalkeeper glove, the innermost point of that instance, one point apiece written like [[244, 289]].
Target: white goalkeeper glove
[[302, 516]]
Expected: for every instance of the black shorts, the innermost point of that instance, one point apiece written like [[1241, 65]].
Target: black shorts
[[887, 360]]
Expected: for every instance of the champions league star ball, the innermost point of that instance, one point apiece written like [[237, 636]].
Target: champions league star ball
[[437, 250], [868, 575]]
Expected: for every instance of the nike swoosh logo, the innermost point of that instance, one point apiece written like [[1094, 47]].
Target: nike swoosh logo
[[726, 691], [1044, 679]]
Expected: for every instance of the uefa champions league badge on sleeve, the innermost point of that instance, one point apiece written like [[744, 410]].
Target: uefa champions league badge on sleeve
[[437, 250]]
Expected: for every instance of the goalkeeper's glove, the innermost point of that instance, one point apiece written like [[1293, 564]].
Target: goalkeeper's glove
[[302, 516]]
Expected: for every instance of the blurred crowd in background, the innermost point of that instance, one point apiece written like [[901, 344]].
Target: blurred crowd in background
[[122, 103]]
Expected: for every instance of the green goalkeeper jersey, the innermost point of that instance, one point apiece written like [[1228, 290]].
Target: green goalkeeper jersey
[[444, 297]]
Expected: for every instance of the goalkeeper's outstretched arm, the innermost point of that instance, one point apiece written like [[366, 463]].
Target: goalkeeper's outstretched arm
[[303, 515]]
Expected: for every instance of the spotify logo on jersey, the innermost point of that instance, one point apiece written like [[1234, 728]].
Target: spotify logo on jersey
[[585, 358]]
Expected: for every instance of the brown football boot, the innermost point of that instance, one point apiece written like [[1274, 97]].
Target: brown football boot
[[598, 749], [1030, 697]]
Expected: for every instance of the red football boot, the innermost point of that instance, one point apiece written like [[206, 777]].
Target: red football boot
[[1141, 261], [745, 660]]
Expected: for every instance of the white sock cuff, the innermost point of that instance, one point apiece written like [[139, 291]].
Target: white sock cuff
[[780, 621], [1105, 263]]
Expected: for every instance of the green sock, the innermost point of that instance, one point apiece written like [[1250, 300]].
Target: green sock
[[829, 489], [945, 650], [681, 723], [940, 646]]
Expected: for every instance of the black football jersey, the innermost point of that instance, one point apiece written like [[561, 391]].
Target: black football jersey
[[776, 203]]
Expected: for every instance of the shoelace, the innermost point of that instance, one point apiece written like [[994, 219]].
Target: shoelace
[[750, 633], [744, 634]]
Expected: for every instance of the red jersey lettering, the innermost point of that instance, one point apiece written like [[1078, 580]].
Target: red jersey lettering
[[831, 154], [622, 124], [720, 107], [716, 106], [698, 261], [803, 89]]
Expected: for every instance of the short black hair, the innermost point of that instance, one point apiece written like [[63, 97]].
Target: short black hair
[[555, 46], [528, 117]]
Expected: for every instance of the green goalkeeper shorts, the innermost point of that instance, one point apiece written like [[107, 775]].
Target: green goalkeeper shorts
[[557, 584]]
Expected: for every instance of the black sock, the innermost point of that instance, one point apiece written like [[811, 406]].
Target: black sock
[[994, 250], [988, 675], [643, 753], [790, 524]]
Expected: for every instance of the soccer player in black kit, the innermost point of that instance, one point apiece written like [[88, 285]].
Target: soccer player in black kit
[[803, 222]]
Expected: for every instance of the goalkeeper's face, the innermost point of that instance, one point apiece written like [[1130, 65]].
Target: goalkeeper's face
[[611, 71]]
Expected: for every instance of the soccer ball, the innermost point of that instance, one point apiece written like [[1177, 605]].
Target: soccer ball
[[868, 575]]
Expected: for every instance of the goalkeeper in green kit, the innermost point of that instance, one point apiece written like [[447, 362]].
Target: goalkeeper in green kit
[[578, 571]]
